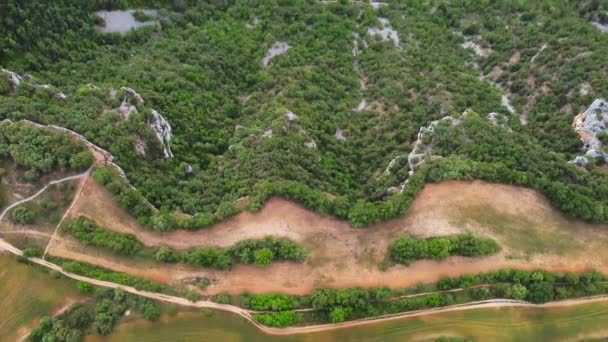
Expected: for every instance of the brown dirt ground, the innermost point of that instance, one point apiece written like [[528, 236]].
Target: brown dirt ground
[[532, 234]]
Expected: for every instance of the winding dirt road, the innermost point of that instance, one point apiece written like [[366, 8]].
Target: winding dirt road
[[247, 314], [32, 197]]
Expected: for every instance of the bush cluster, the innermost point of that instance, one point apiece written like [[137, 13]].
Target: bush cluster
[[406, 249], [88, 233]]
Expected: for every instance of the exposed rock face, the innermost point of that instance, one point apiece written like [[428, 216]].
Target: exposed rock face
[[376, 5], [277, 49], [591, 122], [267, 133], [471, 42], [391, 164], [15, 78], [126, 109], [600, 26], [290, 116], [253, 24], [310, 144], [580, 161], [161, 127], [421, 151], [138, 98], [498, 120], [386, 33], [542, 48], [585, 89], [140, 147], [340, 134], [588, 125], [362, 105]]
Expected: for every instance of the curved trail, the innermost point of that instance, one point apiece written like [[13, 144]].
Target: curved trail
[[65, 179], [67, 211]]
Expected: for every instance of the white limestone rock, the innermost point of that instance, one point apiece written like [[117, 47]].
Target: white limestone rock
[[162, 129], [277, 49]]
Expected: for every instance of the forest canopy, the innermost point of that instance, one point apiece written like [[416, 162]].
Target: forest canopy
[[328, 122]]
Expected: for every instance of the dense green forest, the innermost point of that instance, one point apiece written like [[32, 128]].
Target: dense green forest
[[320, 123]]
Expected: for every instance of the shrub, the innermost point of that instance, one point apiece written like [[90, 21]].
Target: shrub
[[439, 248], [406, 249], [277, 319], [23, 214], [272, 302], [33, 251], [221, 299], [339, 314], [517, 292], [81, 160], [541, 292], [263, 257], [85, 287], [88, 233]]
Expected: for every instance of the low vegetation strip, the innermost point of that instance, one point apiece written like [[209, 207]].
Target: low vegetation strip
[[259, 252], [406, 249], [88, 233], [96, 272], [587, 283], [335, 306]]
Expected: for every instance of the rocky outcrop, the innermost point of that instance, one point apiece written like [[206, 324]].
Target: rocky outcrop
[[267, 133], [13, 76], [423, 147], [472, 42], [498, 120], [310, 144], [162, 129], [138, 99], [277, 49], [340, 134], [588, 125], [600, 26], [290, 117], [386, 33], [253, 23], [126, 109], [17, 80]]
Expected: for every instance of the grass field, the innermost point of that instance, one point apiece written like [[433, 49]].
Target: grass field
[[27, 294], [574, 323]]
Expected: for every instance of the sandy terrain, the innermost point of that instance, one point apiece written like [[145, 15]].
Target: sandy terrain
[[341, 256]]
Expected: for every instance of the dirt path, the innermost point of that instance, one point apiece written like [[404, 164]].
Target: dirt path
[[27, 232], [299, 330], [67, 212], [341, 256], [32, 197]]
